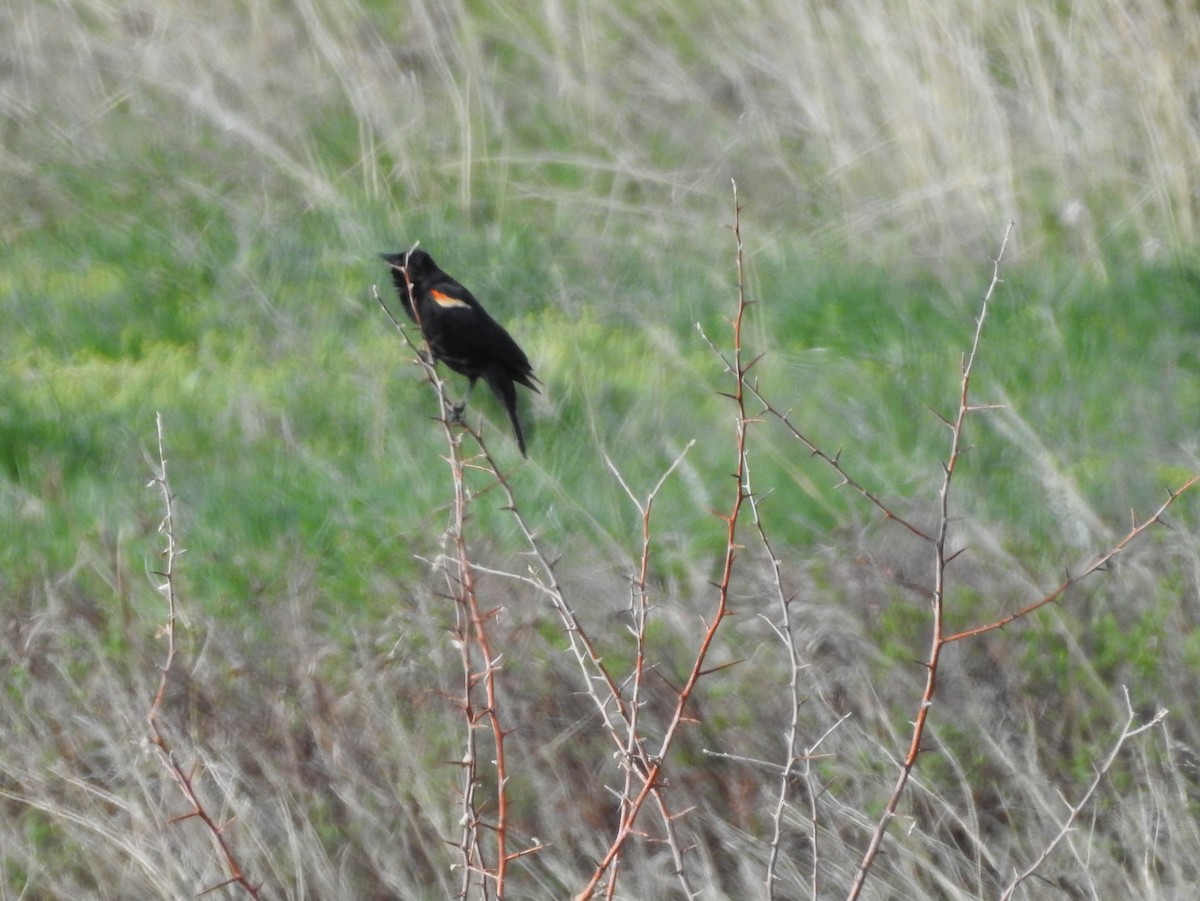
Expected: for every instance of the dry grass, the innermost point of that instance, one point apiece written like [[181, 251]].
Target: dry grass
[[330, 751], [880, 129]]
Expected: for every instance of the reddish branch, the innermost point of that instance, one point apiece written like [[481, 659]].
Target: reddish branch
[[474, 643], [939, 639], [1099, 563], [940, 561], [738, 368], [632, 744]]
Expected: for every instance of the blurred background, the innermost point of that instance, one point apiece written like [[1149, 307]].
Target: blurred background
[[193, 207]]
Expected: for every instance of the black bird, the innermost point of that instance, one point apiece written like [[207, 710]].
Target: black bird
[[459, 331]]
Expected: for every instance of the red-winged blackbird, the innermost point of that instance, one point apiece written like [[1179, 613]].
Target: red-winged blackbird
[[460, 332]]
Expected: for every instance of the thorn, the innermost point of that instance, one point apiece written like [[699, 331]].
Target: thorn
[[232, 880], [954, 556], [946, 422], [721, 666]]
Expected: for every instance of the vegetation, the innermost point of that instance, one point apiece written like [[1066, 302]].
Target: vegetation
[[194, 208]]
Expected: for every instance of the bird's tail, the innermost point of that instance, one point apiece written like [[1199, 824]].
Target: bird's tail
[[505, 389]]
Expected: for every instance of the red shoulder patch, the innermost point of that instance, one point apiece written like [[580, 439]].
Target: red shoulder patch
[[446, 301]]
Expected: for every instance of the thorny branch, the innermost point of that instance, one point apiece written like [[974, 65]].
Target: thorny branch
[[480, 666], [184, 777], [1128, 731], [937, 639]]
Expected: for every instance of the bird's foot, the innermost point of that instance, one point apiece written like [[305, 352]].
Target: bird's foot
[[454, 412]]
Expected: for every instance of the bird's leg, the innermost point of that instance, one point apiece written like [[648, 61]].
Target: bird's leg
[[454, 411]]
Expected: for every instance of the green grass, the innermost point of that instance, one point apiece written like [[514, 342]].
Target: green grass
[[193, 210]]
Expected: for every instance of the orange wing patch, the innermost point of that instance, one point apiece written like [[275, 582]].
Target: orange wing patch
[[445, 301]]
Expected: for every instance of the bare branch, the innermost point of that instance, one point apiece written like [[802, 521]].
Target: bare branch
[[1128, 731], [184, 777], [937, 639]]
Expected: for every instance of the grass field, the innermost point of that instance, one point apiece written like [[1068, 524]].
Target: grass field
[[193, 212]]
